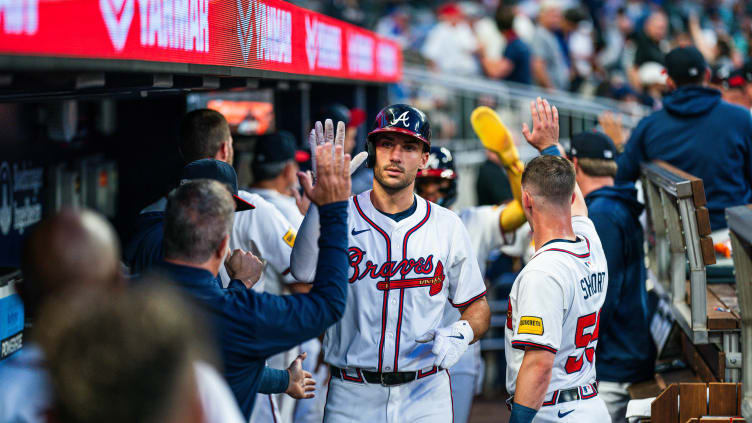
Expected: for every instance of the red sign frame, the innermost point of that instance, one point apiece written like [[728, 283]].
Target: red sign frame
[[270, 35]]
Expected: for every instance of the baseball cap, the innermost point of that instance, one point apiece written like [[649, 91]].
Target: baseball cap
[[683, 63], [275, 148], [592, 145], [218, 171]]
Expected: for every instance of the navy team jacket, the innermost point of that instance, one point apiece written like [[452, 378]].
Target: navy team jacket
[[250, 327]]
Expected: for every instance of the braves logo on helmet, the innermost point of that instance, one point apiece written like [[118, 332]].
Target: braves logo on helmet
[[399, 118]]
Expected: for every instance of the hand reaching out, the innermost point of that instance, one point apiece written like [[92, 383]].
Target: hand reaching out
[[612, 127], [545, 131], [331, 166], [301, 384]]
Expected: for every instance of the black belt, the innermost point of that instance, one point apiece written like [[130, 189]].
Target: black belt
[[385, 379], [566, 395]]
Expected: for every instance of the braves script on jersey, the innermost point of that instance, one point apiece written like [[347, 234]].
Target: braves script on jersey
[[555, 305], [402, 276]]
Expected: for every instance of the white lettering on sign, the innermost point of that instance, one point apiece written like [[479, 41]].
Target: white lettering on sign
[[323, 45], [20, 16], [168, 24], [271, 28], [387, 59], [360, 53], [274, 34], [175, 24]]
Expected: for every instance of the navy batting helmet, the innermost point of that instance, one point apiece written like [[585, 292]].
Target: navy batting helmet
[[400, 118], [441, 166]]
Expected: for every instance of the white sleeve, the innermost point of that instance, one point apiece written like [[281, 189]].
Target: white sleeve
[[465, 281], [583, 226], [538, 318], [482, 224], [305, 252], [216, 398], [277, 240]]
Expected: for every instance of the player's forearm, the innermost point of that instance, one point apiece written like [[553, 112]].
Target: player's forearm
[[273, 381], [306, 249], [330, 281], [478, 315], [533, 378]]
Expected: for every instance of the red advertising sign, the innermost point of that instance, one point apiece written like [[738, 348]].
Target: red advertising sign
[[259, 34]]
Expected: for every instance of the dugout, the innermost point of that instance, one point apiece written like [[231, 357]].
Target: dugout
[[92, 93]]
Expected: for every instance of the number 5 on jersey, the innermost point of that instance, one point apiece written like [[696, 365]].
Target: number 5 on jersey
[[583, 340]]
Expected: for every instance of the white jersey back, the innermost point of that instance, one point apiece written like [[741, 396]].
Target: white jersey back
[[555, 304], [402, 276]]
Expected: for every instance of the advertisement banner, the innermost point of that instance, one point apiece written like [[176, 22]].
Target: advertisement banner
[[267, 35]]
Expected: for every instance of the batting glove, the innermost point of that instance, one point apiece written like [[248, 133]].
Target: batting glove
[[449, 343]]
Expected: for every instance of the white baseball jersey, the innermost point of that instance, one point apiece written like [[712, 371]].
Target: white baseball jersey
[[268, 235], [284, 203], [402, 276], [555, 304]]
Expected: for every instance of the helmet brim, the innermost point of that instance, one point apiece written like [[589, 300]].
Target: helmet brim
[[399, 131]]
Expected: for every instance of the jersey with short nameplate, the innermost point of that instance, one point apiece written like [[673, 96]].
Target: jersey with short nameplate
[[555, 305], [402, 276]]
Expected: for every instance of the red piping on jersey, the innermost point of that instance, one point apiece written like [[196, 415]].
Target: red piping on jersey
[[385, 305], [553, 399], [450, 393], [586, 255], [271, 404], [402, 290], [433, 370], [470, 301], [350, 378], [522, 344]]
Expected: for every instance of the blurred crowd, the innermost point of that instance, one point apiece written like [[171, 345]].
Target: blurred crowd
[[609, 48]]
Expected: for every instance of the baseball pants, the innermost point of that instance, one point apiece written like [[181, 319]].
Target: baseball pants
[[467, 378], [616, 396], [425, 400], [591, 410], [265, 410]]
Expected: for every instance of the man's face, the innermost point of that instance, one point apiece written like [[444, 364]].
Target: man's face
[[432, 189], [398, 158], [656, 26]]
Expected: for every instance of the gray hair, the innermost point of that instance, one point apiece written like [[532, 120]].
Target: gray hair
[[199, 215]]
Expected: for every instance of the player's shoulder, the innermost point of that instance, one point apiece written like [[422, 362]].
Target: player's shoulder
[[441, 213]]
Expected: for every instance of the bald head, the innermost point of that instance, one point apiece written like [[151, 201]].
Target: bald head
[[73, 249]]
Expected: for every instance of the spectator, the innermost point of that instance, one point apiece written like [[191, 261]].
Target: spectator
[[549, 63], [395, 25], [451, 45], [653, 82], [578, 31], [679, 134], [76, 253], [250, 326], [649, 44], [626, 353], [514, 66], [490, 40], [106, 365]]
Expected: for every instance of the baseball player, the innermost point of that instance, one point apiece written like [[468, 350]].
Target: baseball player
[[409, 260], [554, 306], [437, 182]]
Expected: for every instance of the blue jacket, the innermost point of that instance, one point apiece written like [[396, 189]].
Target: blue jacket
[[250, 327], [144, 249], [625, 351], [700, 134]]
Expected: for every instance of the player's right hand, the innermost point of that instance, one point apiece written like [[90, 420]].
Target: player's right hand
[[301, 384], [545, 131], [332, 173], [244, 266]]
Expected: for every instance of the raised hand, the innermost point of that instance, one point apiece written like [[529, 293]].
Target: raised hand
[[545, 131], [301, 384], [611, 124], [332, 170]]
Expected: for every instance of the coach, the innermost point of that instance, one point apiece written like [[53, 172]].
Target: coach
[[250, 326], [698, 133]]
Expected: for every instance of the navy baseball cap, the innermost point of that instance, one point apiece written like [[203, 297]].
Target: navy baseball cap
[[685, 63], [218, 171], [275, 148], [592, 145]]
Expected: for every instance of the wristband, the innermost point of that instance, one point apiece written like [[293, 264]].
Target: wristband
[[551, 151], [522, 414]]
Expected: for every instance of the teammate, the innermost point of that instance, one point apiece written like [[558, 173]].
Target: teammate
[[409, 260], [555, 302], [437, 182]]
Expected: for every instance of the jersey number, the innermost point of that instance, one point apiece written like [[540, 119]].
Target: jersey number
[[583, 340]]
